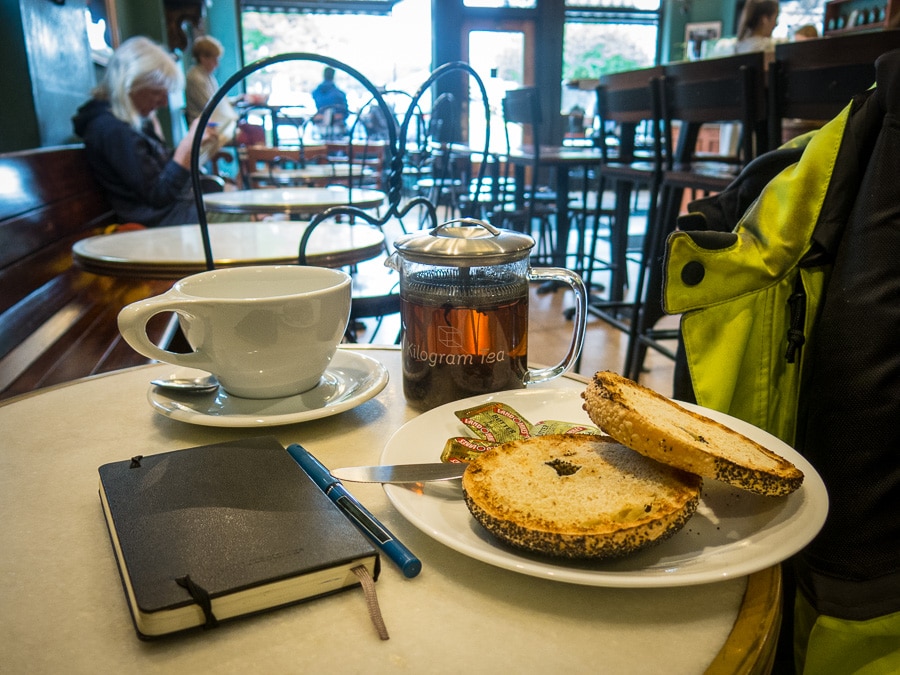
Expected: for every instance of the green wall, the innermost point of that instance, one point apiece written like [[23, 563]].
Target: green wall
[[222, 23], [141, 17], [46, 69]]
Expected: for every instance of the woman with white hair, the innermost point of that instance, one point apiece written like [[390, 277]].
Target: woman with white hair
[[145, 181]]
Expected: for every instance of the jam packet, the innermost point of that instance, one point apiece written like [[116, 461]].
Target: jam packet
[[465, 448], [548, 427], [497, 423]]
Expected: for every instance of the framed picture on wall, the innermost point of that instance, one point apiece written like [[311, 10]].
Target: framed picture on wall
[[696, 34]]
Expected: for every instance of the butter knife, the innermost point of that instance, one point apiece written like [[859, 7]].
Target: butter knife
[[401, 473]]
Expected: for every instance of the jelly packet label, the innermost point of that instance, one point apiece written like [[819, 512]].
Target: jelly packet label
[[495, 422], [548, 427], [498, 423], [465, 448]]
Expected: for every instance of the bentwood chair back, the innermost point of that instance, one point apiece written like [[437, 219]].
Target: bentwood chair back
[[366, 160], [812, 80], [259, 163], [727, 90]]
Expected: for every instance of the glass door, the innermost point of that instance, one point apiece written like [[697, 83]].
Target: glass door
[[501, 54]]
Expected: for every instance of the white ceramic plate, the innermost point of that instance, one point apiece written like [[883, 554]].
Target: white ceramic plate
[[351, 379], [733, 532]]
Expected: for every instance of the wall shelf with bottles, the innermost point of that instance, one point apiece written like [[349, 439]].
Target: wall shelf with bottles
[[846, 16]]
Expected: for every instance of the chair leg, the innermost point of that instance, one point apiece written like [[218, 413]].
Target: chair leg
[[659, 218], [588, 251], [647, 309], [546, 240], [606, 310], [636, 323]]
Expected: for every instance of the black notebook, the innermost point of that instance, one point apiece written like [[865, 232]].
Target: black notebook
[[220, 531]]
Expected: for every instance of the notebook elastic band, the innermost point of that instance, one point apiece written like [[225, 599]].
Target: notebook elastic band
[[368, 586], [201, 597]]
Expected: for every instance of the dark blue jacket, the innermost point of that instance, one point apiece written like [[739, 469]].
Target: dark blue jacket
[[135, 169]]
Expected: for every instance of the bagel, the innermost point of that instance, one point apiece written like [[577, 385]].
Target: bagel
[[659, 428], [577, 496]]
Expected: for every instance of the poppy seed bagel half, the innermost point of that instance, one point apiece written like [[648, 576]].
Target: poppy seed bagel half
[[659, 428], [577, 496]]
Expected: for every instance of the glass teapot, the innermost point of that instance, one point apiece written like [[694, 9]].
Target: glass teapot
[[464, 309]]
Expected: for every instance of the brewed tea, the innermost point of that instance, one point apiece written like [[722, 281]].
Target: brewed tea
[[457, 344], [464, 309]]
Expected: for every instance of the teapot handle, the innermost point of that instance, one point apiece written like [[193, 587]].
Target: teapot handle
[[533, 376]]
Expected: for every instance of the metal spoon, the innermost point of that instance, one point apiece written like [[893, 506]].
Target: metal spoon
[[200, 384]]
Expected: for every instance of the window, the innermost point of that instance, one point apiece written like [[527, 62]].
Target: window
[[603, 36], [502, 4], [795, 13], [377, 45]]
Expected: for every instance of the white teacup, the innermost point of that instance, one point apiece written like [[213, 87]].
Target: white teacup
[[265, 332]]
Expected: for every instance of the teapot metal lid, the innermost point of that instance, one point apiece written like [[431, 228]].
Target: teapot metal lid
[[465, 242]]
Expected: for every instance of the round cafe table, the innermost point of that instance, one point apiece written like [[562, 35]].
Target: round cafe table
[[64, 609], [311, 175], [177, 251], [294, 201]]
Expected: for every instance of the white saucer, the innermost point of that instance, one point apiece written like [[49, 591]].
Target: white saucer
[[350, 380]]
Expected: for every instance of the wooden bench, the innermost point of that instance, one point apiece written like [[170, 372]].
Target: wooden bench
[[58, 322]]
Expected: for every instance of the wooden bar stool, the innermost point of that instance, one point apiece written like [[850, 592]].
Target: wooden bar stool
[[813, 80]]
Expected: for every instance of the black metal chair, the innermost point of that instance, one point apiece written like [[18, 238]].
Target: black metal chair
[[729, 90], [628, 112], [530, 205], [366, 303], [394, 149], [444, 172]]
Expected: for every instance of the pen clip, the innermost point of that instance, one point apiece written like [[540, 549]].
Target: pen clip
[[320, 475]]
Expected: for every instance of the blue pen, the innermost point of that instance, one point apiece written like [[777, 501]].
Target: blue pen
[[409, 564]]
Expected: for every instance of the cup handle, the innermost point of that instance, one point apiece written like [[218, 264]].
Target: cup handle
[[580, 320], [133, 320]]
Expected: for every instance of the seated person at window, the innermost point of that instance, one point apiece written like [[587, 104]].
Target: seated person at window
[[144, 180], [758, 20], [331, 105], [376, 124], [201, 83]]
